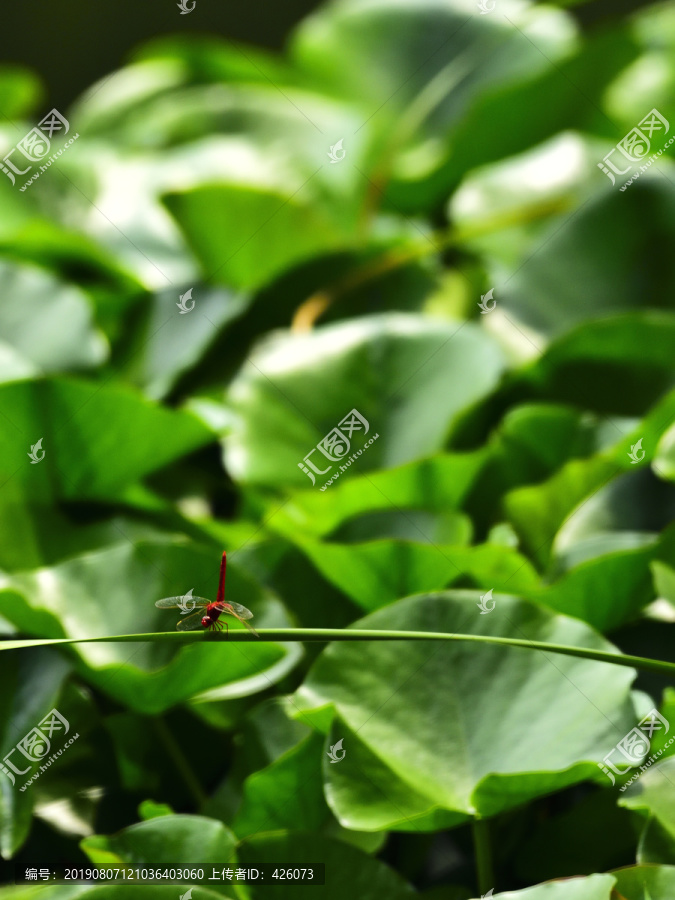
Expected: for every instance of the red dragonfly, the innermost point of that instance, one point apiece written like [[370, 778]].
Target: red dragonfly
[[208, 615]]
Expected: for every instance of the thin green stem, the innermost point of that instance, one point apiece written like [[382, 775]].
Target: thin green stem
[[179, 760], [314, 307], [357, 634], [483, 851]]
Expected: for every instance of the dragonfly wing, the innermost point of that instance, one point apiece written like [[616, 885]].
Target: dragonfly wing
[[240, 611], [250, 628], [232, 609], [189, 623], [180, 602]]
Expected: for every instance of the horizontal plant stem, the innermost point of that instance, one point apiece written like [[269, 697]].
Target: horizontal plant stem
[[354, 634]]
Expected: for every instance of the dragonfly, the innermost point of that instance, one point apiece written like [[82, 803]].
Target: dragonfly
[[208, 613]]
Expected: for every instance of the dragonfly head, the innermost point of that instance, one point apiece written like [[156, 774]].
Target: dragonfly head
[[206, 621]]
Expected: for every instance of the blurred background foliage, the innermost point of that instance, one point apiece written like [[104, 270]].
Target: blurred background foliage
[[528, 451]]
